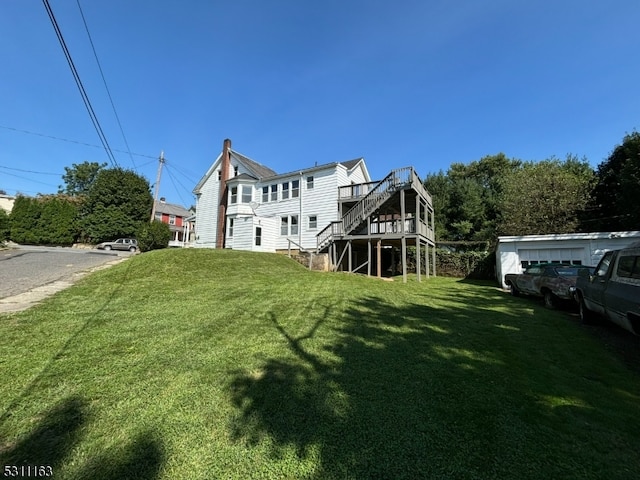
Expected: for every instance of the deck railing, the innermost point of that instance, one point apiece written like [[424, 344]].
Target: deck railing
[[356, 191], [377, 194], [327, 234], [396, 180]]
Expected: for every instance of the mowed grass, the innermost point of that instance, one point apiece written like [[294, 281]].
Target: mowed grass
[[200, 364]]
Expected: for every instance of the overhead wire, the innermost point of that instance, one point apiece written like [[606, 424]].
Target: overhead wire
[[83, 93], [95, 54], [76, 142]]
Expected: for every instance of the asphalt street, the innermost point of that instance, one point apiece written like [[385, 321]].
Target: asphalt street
[[25, 268]]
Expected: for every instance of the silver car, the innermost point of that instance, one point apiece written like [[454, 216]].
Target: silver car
[[130, 244]]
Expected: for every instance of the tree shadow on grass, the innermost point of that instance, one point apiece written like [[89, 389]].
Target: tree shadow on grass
[[58, 432], [424, 392], [52, 439]]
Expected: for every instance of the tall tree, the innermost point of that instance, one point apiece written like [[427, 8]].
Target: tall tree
[[116, 204], [79, 177], [545, 197], [616, 196]]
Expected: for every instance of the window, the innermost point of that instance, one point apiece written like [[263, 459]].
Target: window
[[235, 171], [285, 190], [313, 222], [231, 227], [284, 226], [172, 219], [629, 267], [158, 216], [258, 236], [294, 224], [310, 182], [234, 194], [274, 193], [295, 188], [247, 194], [219, 175], [265, 194], [603, 266]]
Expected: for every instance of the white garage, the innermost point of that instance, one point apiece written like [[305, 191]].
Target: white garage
[[514, 253]]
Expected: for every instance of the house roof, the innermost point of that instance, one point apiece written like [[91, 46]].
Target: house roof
[[349, 165], [262, 172], [172, 209], [259, 171]]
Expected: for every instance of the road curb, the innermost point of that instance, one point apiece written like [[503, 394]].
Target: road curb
[[26, 300]]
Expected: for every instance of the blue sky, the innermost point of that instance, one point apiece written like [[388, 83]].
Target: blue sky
[[292, 82]]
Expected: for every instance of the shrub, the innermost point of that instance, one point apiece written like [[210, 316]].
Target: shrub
[[5, 227], [153, 236]]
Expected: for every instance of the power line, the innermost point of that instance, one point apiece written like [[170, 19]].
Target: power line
[[105, 85], [30, 171], [83, 93], [76, 142]]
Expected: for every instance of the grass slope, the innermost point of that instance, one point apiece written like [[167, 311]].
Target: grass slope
[[199, 364]]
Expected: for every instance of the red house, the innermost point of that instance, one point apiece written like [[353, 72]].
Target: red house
[[180, 221]]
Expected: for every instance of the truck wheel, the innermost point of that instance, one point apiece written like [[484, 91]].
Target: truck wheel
[[587, 317], [549, 300], [514, 291]]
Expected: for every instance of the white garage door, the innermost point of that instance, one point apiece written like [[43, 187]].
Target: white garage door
[[529, 256]]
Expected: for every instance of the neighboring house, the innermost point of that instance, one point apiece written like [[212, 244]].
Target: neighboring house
[[6, 202], [332, 208], [514, 253], [179, 219]]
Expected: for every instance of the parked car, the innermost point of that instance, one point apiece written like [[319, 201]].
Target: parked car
[[551, 281], [130, 244], [613, 291]]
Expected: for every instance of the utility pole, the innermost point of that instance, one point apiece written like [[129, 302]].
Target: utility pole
[[157, 185]]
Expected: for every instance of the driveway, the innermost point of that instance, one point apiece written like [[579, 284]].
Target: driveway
[[29, 274]]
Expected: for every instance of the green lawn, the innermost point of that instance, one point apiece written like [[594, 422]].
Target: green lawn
[[200, 364]]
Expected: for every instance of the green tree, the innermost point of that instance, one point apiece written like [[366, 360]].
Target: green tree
[[545, 197], [5, 225], [466, 198], [153, 236], [24, 218], [79, 177], [58, 220], [116, 204], [616, 196]]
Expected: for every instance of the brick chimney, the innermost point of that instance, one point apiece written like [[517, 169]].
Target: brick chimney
[[225, 166]]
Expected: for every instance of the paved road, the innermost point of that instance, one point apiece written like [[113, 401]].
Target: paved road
[[24, 269]]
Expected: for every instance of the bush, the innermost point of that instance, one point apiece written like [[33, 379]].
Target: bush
[[5, 227], [153, 236], [44, 220]]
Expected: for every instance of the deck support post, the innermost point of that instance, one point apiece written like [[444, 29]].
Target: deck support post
[[403, 241], [369, 257], [379, 259], [350, 257], [418, 267]]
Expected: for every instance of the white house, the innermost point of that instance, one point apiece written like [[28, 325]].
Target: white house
[[514, 253], [333, 208], [265, 211]]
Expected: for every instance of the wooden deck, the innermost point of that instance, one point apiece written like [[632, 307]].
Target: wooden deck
[[378, 220]]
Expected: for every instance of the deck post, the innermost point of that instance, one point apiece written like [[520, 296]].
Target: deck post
[[369, 257], [350, 257], [403, 241], [418, 267], [379, 259], [426, 259]]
